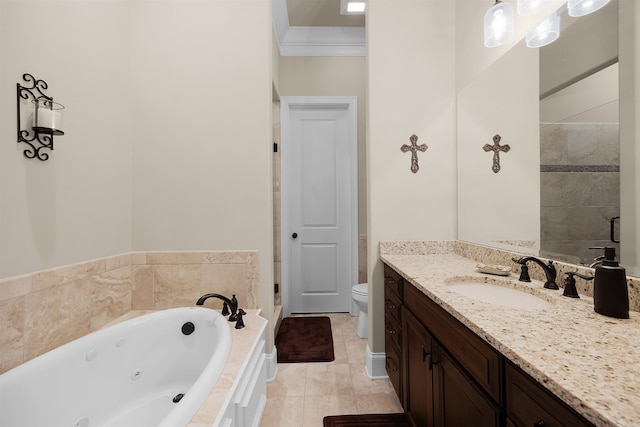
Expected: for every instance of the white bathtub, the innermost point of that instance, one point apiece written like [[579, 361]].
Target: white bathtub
[[125, 375]]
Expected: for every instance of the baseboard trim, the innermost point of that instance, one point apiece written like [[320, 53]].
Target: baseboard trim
[[271, 363], [376, 365]]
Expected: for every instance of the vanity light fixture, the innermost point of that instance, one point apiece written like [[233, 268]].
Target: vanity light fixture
[[545, 33], [585, 7], [46, 119], [529, 7], [352, 7], [498, 24]]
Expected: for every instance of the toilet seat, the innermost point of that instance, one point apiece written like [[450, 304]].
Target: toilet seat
[[360, 289]]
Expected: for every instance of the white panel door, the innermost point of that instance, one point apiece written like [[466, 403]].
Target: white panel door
[[319, 189]]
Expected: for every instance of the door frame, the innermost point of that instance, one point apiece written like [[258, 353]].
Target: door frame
[[286, 104]]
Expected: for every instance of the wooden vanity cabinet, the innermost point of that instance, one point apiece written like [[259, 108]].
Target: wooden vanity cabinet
[[437, 391], [530, 404], [460, 401], [446, 375], [393, 286], [481, 361]]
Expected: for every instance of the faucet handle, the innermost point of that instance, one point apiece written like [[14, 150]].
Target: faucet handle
[[524, 269], [524, 273], [239, 321], [570, 284]]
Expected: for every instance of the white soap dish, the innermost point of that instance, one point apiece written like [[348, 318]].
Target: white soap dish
[[499, 270]]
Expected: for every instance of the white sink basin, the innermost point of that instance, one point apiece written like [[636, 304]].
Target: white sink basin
[[499, 295]]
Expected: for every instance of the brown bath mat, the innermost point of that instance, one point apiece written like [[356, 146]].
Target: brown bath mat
[[368, 420], [305, 339]]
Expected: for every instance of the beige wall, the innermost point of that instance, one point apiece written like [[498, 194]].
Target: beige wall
[[202, 156], [76, 205], [411, 82], [332, 76], [168, 131]]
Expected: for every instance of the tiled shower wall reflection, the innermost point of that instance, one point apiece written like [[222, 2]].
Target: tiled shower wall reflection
[[579, 187], [43, 310]]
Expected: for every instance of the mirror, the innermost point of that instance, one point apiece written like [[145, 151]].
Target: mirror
[[579, 139], [572, 124]]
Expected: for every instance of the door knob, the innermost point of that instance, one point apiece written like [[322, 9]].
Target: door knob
[[294, 235]]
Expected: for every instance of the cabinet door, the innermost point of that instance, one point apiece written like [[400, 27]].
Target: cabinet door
[[417, 371], [479, 359], [530, 404], [458, 400]]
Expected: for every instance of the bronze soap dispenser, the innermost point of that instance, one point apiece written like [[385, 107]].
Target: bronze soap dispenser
[[610, 293]]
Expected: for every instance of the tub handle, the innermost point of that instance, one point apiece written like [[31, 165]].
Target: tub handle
[[239, 321]]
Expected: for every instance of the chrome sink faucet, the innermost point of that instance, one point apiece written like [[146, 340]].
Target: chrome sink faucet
[[549, 271], [229, 304]]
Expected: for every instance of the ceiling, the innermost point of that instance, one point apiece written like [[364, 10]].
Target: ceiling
[[316, 28], [320, 13]]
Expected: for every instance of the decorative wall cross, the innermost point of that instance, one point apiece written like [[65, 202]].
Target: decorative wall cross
[[496, 148], [414, 148]]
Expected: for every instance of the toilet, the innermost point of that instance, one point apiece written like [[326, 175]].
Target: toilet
[[360, 296]]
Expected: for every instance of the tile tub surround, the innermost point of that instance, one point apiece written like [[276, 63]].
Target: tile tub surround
[[46, 309], [589, 361], [242, 342]]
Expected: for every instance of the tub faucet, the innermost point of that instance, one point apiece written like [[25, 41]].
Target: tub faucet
[[549, 271], [229, 304]]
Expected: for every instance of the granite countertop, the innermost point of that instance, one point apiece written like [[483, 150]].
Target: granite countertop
[[591, 362]]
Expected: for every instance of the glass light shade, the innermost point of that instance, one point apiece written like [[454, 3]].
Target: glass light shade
[[545, 33], [47, 117], [529, 7], [585, 7], [498, 24]]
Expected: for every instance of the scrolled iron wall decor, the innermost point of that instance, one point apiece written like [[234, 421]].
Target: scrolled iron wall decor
[[41, 134]]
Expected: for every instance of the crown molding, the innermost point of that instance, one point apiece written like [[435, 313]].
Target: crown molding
[[315, 41]]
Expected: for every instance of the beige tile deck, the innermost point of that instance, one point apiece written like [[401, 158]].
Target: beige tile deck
[[304, 393]]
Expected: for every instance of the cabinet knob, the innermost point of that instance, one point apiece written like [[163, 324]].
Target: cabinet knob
[[294, 235], [539, 424], [430, 362]]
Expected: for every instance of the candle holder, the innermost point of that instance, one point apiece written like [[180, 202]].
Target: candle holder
[[46, 118]]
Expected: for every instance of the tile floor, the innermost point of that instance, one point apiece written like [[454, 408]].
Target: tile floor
[[304, 393]]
